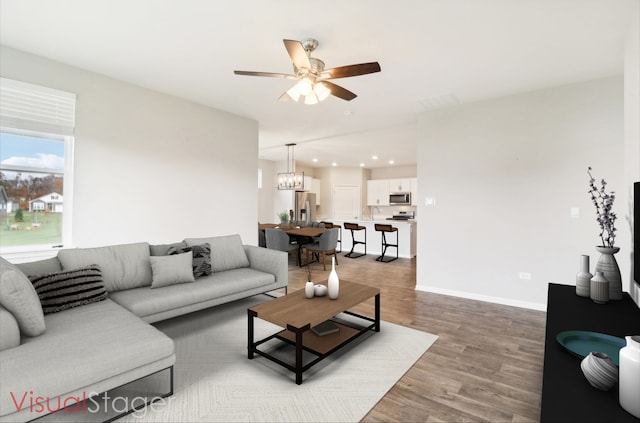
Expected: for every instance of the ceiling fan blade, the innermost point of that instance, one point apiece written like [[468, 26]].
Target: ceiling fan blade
[[351, 70], [285, 97], [340, 92], [297, 54], [269, 74]]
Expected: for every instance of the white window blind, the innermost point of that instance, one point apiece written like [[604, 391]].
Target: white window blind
[[33, 107]]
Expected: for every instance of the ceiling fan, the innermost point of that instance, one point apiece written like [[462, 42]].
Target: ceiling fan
[[312, 78]]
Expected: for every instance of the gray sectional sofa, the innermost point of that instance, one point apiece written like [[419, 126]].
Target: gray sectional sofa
[[90, 342]]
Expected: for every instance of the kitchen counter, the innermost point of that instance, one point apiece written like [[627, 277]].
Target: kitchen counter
[[406, 236]]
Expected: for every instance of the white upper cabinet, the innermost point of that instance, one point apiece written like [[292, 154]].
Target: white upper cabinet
[[400, 185], [307, 183], [313, 185], [378, 192]]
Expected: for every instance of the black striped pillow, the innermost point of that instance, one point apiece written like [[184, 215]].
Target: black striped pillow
[[201, 258], [68, 289]]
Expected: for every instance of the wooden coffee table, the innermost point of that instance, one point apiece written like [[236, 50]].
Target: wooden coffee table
[[298, 314]]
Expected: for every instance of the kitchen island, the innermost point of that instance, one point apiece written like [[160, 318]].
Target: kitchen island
[[406, 237]]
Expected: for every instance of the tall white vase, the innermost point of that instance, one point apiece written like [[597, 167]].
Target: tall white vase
[[583, 278], [333, 283], [629, 379]]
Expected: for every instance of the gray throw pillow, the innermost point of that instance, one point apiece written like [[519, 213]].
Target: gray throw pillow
[[227, 252], [171, 270], [19, 297], [71, 288], [201, 258]]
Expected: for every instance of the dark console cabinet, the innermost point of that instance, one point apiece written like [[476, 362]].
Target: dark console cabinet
[[566, 394]]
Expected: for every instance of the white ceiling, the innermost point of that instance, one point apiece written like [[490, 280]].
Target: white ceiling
[[428, 50]]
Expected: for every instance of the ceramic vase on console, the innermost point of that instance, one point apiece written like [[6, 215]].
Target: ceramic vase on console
[[583, 278], [309, 288], [630, 376], [600, 371], [333, 283], [599, 288], [319, 290], [608, 265]]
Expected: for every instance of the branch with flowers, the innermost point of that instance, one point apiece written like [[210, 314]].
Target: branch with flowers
[[309, 272], [605, 216]]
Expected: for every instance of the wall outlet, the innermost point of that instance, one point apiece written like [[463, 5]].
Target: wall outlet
[[525, 276], [575, 212], [430, 201]]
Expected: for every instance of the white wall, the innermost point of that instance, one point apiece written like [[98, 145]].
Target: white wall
[[148, 166], [505, 174], [266, 194], [332, 176], [394, 172], [632, 127]]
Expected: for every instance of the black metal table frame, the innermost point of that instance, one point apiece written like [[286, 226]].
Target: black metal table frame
[[299, 368]]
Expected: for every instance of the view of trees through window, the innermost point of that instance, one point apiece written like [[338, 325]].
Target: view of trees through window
[[31, 190]]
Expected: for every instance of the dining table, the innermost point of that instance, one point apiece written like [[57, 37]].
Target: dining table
[[302, 234]]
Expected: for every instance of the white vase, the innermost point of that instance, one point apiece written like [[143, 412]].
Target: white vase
[[630, 376], [583, 278], [333, 283], [320, 290], [309, 289]]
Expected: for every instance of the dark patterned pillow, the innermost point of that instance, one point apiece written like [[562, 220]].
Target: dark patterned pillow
[[71, 288], [201, 258]]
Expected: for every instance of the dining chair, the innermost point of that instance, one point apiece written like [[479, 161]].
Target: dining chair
[[277, 239], [326, 245]]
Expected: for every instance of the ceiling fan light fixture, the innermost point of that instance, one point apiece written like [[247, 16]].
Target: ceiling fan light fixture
[[311, 76], [305, 86], [321, 91], [294, 93], [311, 99]]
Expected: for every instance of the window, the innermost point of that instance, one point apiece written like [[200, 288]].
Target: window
[[36, 128]]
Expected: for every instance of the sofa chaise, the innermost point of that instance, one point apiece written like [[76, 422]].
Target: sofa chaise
[[78, 324]]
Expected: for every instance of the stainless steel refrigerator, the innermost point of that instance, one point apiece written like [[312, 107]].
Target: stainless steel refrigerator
[[305, 206]]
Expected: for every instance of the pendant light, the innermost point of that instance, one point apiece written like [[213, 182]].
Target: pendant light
[[291, 180]]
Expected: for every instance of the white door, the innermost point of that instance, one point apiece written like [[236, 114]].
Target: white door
[[346, 202]]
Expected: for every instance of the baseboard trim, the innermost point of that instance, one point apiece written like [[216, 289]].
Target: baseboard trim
[[485, 298]]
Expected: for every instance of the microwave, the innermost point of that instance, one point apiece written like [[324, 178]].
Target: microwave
[[400, 198]]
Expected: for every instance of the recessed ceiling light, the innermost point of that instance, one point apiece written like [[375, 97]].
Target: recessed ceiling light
[[334, 164], [361, 164], [348, 112], [391, 162], [314, 160], [374, 157]]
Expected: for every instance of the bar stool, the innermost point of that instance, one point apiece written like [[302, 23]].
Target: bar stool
[[384, 229], [330, 225], [355, 227]]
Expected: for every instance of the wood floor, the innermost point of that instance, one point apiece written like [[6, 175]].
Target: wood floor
[[485, 366]]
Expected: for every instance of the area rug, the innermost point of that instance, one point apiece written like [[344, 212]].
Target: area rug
[[214, 380]]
